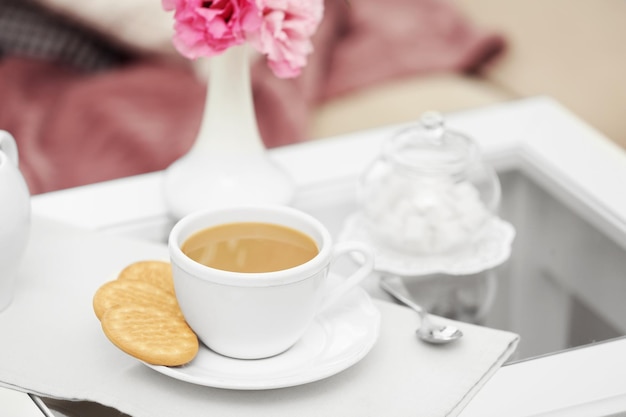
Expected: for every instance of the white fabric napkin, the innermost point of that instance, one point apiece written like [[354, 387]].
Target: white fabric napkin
[[51, 344]]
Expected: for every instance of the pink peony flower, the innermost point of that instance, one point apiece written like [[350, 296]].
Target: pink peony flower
[[280, 29], [207, 28], [285, 33]]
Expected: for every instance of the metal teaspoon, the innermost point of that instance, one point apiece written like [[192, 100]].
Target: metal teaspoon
[[428, 331]]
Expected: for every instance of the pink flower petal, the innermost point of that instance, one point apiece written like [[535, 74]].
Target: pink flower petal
[[285, 33], [205, 28]]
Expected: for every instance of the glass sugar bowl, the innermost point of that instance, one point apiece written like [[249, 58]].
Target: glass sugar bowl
[[429, 192]]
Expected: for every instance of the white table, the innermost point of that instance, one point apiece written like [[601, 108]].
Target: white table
[[538, 136]]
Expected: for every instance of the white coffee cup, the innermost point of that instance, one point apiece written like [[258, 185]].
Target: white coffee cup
[[258, 315], [14, 217]]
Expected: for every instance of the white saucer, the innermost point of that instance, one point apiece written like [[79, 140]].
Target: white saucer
[[336, 340], [491, 248]]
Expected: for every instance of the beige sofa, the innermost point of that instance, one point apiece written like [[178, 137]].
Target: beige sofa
[[572, 50]]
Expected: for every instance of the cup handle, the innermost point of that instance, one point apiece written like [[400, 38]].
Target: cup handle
[[8, 146], [354, 279]]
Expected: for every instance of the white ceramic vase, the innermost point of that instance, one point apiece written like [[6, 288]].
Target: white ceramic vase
[[228, 163]]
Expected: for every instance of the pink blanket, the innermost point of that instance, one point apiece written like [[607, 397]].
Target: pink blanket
[[75, 128]]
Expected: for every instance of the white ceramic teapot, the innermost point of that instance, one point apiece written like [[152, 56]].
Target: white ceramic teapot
[[14, 217]]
